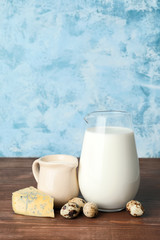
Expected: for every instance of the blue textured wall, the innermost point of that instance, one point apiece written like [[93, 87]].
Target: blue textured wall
[[60, 60]]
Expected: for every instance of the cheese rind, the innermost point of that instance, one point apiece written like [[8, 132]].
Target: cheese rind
[[30, 201]]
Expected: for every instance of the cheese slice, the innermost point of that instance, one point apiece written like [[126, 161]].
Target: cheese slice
[[30, 201]]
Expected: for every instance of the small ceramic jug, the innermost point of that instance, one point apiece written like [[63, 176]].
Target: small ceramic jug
[[56, 175]]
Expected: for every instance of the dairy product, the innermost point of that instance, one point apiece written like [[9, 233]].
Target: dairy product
[[109, 167], [31, 201]]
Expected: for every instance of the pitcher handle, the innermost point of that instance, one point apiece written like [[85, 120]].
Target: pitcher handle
[[35, 169]]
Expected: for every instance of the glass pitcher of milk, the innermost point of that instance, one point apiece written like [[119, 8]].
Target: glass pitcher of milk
[[109, 172]]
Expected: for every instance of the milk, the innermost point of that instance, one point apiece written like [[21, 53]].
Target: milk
[[109, 167]]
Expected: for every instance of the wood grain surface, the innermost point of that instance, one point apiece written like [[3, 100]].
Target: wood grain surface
[[16, 173]]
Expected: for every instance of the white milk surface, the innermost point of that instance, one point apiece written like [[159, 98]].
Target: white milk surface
[[109, 167]]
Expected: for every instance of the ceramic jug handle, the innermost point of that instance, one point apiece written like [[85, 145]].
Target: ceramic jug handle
[[35, 169]]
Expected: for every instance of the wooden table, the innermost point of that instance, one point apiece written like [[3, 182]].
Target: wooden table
[[16, 173]]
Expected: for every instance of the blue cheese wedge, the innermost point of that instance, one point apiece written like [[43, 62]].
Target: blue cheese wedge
[[30, 201]]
